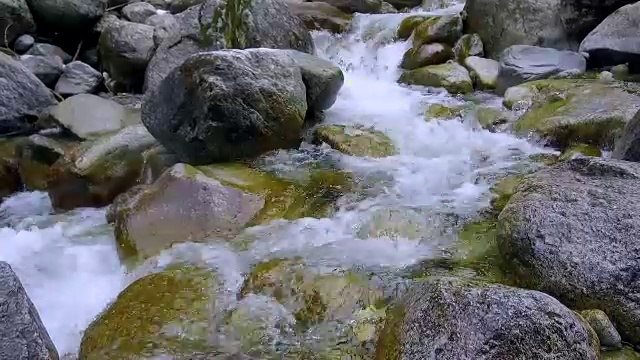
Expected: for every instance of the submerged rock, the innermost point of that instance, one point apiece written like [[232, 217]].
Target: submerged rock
[[355, 141], [569, 231], [451, 76], [450, 318], [22, 334]]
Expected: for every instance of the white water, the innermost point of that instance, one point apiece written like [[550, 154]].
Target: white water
[[69, 266]]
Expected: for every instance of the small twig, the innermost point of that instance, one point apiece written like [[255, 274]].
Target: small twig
[[77, 51], [6, 30]]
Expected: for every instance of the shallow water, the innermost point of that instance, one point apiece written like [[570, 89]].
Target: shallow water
[[69, 265]]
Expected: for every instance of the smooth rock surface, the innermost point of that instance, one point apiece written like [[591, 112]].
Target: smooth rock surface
[[78, 78], [321, 16], [445, 29], [360, 6], [600, 323], [23, 44], [67, 16], [46, 68], [483, 72], [322, 79], [425, 55], [42, 49], [451, 76], [138, 12]]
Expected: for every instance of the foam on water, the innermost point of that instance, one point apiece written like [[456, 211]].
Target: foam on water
[[69, 264]]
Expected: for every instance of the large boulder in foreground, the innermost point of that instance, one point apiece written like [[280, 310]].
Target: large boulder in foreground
[[22, 96], [16, 20], [570, 231], [22, 334], [450, 318], [228, 104], [615, 40]]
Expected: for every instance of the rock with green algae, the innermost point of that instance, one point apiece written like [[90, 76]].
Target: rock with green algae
[[215, 201], [606, 332], [445, 29], [467, 319], [451, 76], [468, 45], [35, 156], [625, 353], [398, 223], [355, 140], [162, 314], [571, 111], [446, 112], [408, 25], [484, 72], [488, 117], [321, 16], [156, 160], [580, 149], [425, 55], [312, 297]]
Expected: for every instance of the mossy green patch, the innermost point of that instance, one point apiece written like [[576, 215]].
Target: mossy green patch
[[406, 27], [439, 111], [451, 76], [388, 346], [625, 353], [583, 149], [355, 140]]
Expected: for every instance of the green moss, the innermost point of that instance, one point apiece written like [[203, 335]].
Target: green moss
[[451, 76], [388, 346], [439, 111], [143, 320], [489, 117], [626, 353], [356, 140], [583, 149], [229, 20], [406, 27]]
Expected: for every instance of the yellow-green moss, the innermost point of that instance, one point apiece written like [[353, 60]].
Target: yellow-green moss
[[450, 76], [356, 141], [584, 149], [388, 346], [439, 111], [626, 353], [406, 27]]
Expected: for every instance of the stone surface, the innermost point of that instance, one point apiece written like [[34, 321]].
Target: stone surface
[[22, 335], [35, 155], [322, 79], [569, 231], [451, 76], [450, 318], [355, 141], [41, 49], [408, 25], [468, 45], [22, 96], [67, 16], [156, 161], [483, 72], [321, 16], [23, 43], [522, 63], [603, 327], [138, 12], [445, 29], [16, 19], [627, 147], [164, 27], [255, 102], [425, 55], [46, 68], [78, 78]]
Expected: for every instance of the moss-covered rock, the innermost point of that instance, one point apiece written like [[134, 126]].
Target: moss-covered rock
[[355, 140], [156, 160], [582, 149], [439, 111], [567, 112], [468, 45], [424, 55], [626, 353], [163, 314], [451, 76], [603, 327], [35, 156], [445, 29], [321, 16], [408, 25], [484, 72]]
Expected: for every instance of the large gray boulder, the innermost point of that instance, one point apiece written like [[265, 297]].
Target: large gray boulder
[[22, 96], [615, 41], [523, 63], [22, 334], [67, 16], [46, 68], [570, 231], [228, 104], [211, 26], [560, 24], [78, 78], [448, 319], [15, 20]]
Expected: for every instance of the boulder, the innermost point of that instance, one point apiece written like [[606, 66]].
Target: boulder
[[95, 172], [125, 50], [569, 231], [178, 6], [483, 72], [10, 181], [408, 25], [627, 147], [522, 63], [600, 323], [626, 353], [614, 41], [271, 25], [566, 112], [355, 141], [46, 68], [445, 29], [42, 49], [138, 12], [89, 116], [168, 312], [16, 19], [468, 45], [425, 55], [22, 335], [67, 16], [22, 96], [35, 155], [164, 27], [156, 161], [23, 43], [321, 16], [359, 6], [322, 79], [78, 78], [451, 318], [451, 76], [255, 102]]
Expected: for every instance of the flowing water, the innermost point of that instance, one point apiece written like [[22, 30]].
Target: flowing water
[[441, 176]]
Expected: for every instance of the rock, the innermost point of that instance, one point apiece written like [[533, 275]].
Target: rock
[[10, 181], [125, 50], [580, 150], [439, 111], [23, 44], [519, 97], [568, 231], [97, 171], [386, 8], [91, 58], [35, 156], [22, 336], [41, 49], [483, 72], [445, 29], [16, 20], [168, 312], [451, 318], [269, 115], [355, 141], [468, 45], [22, 96], [425, 55], [626, 353], [178, 6], [522, 63], [401, 4], [567, 112], [156, 161], [321, 16], [614, 42], [89, 116], [627, 147], [359, 6], [138, 12], [67, 16], [164, 27], [451, 76], [607, 333], [321, 78], [46, 68], [408, 25], [78, 78]]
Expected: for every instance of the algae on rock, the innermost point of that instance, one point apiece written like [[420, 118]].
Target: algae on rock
[[355, 140], [451, 76]]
